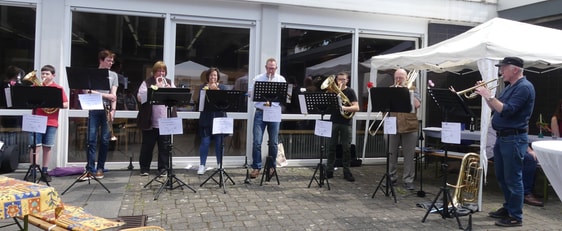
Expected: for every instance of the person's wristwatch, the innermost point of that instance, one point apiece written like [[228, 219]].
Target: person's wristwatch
[[490, 98]]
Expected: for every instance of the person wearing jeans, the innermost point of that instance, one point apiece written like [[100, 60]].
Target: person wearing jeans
[[260, 125]]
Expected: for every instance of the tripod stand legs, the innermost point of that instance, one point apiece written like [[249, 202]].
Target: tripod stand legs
[[171, 178], [321, 170], [444, 210], [223, 177], [269, 171], [89, 176]]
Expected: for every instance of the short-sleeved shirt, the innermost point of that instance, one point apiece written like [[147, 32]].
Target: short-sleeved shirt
[[336, 117]]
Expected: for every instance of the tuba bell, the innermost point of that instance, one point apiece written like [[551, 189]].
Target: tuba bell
[[31, 79], [330, 85], [468, 183]]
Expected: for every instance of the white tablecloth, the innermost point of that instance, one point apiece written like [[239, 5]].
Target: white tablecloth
[[549, 154]]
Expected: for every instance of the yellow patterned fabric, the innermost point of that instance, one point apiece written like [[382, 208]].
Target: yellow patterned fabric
[[75, 218], [20, 198]]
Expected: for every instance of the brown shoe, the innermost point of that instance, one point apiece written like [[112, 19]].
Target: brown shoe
[[530, 199], [255, 173]]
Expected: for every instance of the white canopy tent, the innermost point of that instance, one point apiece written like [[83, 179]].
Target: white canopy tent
[[335, 65], [189, 72], [480, 49]]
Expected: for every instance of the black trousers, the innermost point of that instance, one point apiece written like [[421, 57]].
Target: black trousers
[[149, 140]]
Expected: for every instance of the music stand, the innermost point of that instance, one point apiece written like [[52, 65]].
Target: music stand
[[449, 102], [268, 92], [27, 97], [169, 97], [321, 103], [87, 78], [389, 99], [223, 101]]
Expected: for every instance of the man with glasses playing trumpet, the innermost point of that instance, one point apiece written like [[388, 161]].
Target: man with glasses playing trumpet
[[406, 136], [101, 119], [510, 118]]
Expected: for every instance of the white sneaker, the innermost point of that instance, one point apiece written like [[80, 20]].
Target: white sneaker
[[201, 170]]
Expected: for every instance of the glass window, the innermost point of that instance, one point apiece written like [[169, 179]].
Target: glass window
[[17, 43], [138, 43], [199, 47]]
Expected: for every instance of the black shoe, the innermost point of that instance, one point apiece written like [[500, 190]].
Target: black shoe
[[46, 177], [348, 176], [329, 174], [509, 222], [500, 213]]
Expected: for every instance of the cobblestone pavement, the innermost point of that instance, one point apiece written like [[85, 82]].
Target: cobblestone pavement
[[290, 205]]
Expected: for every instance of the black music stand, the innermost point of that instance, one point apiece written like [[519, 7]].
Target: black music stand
[[269, 92], [87, 78], [223, 101], [169, 97], [321, 103], [25, 97], [389, 99], [450, 103]]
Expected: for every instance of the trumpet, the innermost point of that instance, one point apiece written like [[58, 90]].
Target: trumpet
[[469, 93], [162, 82]]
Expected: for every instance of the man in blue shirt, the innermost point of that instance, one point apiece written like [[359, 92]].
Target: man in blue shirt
[[511, 113]]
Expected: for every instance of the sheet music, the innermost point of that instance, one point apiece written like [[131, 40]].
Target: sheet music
[[223, 125], [202, 98], [390, 125], [302, 104], [323, 128], [170, 126], [34, 123], [7, 92], [451, 133], [272, 114], [91, 101]]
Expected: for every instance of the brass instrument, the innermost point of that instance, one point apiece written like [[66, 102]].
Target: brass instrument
[[110, 122], [32, 80], [330, 85], [161, 82], [469, 92], [468, 183]]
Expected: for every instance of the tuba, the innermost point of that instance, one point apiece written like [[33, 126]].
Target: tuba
[[468, 183], [330, 85], [32, 80]]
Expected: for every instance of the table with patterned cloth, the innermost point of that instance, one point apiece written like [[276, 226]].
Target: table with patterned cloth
[[75, 218], [21, 198]]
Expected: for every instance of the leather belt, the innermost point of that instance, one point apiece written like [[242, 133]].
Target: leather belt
[[259, 109], [509, 132]]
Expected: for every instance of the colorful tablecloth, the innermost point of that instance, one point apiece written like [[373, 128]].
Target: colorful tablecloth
[[20, 198], [75, 218]]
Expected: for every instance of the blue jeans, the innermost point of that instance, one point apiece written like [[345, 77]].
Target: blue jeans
[[204, 148], [509, 152], [45, 140], [529, 172], [259, 128], [97, 119]]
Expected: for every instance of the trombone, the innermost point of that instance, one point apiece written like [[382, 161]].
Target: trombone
[[469, 93]]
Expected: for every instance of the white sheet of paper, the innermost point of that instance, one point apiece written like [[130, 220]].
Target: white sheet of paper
[[201, 99], [34, 123], [7, 92], [451, 133], [91, 101], [323, 128], [170, 126], [223, 125], [143, 98], [302, 103], [390, 125], [272, 114]]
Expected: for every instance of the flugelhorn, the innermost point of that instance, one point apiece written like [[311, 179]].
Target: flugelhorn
[[32, 80], [162, 82], [469, 93]]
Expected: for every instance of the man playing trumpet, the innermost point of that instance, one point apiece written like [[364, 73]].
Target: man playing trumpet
[[406, 136]]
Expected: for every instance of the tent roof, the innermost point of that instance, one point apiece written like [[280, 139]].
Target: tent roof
[[494, 39], [333, 66], [193, 70]]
